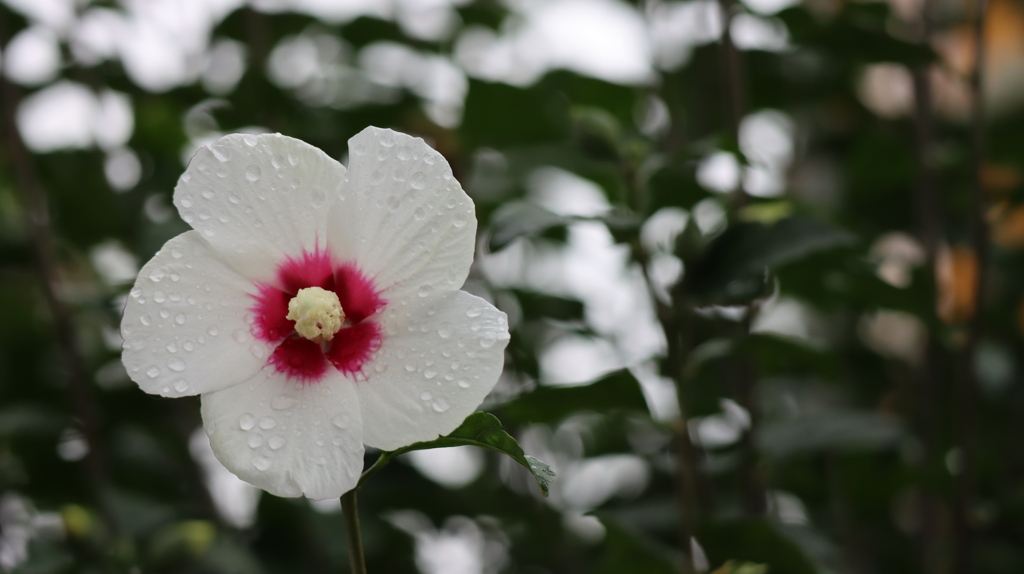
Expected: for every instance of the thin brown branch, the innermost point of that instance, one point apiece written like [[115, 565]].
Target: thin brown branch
[[966, 394], [732, 88], [33, 195]]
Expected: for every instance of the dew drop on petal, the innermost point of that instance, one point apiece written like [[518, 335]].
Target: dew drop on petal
[[418, 213], [250, 140], [267, 423], [188, 346], [419, 180], [474, 312], [260, 463], [255, 441], [340, 421], [424, 290], [410, 367], [156, 274], [213, 331], [164, 313], [445, 330], [172, 347], [240, 336], [440, 406], [293, 159], [253, 173], [275, 442], [181, 385], [145, 319], [221, 153], [386, 139], [429, 374], [159, 297], [463, 384], [153, 372], [177, 364], [246, 421], [179, 318], [426, 396], [282, 402], [488, 340]]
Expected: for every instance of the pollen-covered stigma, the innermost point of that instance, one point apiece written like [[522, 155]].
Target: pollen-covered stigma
[[317, 313]]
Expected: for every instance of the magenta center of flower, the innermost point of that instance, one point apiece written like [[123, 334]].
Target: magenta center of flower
[[307, 360]]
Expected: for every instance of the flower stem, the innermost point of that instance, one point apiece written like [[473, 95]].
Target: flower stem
[[350, 510]]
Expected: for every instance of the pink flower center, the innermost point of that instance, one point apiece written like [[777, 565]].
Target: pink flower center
[[305, 360]]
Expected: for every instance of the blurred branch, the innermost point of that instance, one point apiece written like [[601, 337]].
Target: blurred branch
[[34, 197], [752, 494], [929, 223], [966, 399]]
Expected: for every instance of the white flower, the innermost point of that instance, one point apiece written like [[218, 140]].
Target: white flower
[[369, 260]]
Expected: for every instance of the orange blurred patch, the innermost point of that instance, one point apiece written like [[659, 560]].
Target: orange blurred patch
[[1006, 225], [1004, 54], [999, 178], [956, 277]]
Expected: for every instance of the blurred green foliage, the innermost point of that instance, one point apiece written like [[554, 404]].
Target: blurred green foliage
[[832, 443]]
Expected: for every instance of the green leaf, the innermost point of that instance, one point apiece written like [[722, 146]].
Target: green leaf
[[626, 550], [616, 391], [483, 430], [522, 219], [824, 432], [733, 267], [536, 304], [753, 540]]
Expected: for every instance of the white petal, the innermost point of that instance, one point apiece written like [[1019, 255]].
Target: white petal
[[403, 216], [258, 199], [288, 438], [184, 325], [438, 360]]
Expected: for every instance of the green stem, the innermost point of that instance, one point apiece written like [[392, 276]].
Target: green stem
[[355, 539]]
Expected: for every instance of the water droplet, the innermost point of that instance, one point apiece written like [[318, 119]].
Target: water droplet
[[260, 463], [255, 441], [445, 330], [267, 423], [488, 340], [156, 274], [387, 139], [319, 198], [440, 406], [250, 140], [275, 442], [246, 421], [410, 367], [146, 319], [282, 402], [188, 346], [419, 180], [172, 347], [159, 297], [240, 336], [164, 313], [424, 290], [380, 367], [474, 312], [459, 220], [340, 421], [179, 318], [293, 159], [181, 385], [208, 193], [221, 153], [337, 441], [222, 171], [187, 200], [177, 364], [153, 372], [253, 173], [418, 213], [463, 383], [425, 396], [429, 374]]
